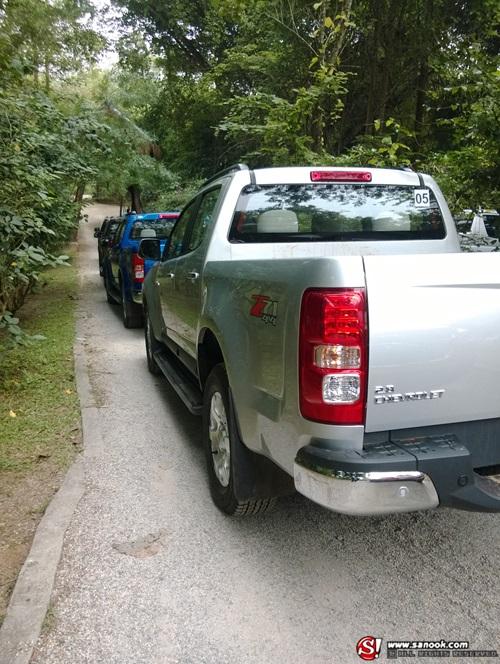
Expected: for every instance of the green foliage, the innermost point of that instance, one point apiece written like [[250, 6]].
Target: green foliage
[[14, 335], [378, 82], [387, 147], [207, 83], [56, 137], [130, 155], [46, 145], [176, 193], [43, 39], [287, 132], [465, 153], [44, 153]]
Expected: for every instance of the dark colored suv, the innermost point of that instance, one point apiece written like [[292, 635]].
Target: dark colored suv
[[105, 235]]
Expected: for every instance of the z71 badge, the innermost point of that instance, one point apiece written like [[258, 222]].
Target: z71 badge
[[386, 394], [265, 309]]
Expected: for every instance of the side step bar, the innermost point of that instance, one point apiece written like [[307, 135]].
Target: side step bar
[[180, 379]]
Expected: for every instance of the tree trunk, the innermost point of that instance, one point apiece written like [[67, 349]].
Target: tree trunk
[[80, 190], [36, 64], [420, 100], [47, 74], [78, 198], [135, 198], [377, 52], [428, 18]]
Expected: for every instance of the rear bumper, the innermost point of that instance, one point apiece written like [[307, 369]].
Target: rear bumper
[[400, 475], [368, 493]]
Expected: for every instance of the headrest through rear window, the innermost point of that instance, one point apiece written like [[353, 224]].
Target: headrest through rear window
[[278, 221]]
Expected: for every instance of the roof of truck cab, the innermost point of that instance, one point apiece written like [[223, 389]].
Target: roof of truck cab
[[302, 175]]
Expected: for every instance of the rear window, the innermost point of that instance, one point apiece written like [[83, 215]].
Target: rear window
[[111, 228], [492, 224], [341, 212], [161, 227]]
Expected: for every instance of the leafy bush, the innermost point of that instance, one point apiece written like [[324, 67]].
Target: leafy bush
[[45, 153]]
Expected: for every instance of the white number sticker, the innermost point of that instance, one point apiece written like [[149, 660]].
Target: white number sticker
[[421, 198]]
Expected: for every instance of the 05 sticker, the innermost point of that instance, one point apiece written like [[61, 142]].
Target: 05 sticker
[[421, 198]]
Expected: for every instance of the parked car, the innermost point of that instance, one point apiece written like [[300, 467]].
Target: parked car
[[105, 235], [124, 270], [335, 340], [491, 219], [481, 233]]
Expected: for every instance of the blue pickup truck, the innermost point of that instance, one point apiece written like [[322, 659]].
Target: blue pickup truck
[[124, 270]]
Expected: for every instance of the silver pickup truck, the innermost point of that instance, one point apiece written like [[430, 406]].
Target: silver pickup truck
[[334, 339]]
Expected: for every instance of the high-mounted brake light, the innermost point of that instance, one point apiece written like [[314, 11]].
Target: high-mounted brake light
[[341, 176], [138, 267], [333, 354], [168, 215]]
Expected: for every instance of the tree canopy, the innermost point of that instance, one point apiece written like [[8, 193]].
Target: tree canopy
[[203, 84], [383, 82]]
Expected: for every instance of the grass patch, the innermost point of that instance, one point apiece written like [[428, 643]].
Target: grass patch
[[39, 409], [37, 385], [49, 622]]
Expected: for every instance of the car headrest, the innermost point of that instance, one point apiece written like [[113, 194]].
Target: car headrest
[[394, 222], [148, 232], [277, 221]]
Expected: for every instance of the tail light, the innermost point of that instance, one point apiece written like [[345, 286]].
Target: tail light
[[333, 353], [341, 176], [138, 268]]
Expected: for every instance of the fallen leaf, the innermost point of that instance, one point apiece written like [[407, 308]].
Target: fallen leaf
[[68, 391], [12, 413]]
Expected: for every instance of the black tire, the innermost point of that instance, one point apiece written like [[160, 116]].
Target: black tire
[[109, 297], [132, 312], [152, 345], [223, 494]]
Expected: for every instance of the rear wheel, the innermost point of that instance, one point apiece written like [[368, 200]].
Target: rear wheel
[[152, 345], [109, 297], [132, 312], [223, 448]]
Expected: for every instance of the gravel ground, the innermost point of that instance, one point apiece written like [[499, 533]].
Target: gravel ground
[[152, 573]]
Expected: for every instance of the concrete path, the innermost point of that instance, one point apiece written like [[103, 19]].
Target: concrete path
[[152, 573]]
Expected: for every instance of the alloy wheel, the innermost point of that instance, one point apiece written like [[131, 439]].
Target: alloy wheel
[[219, 439]]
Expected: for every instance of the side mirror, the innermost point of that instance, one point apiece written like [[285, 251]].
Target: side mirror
[[97, 232], [150, 248]]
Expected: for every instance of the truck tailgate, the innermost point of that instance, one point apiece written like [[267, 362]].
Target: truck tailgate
[[434, 339]]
